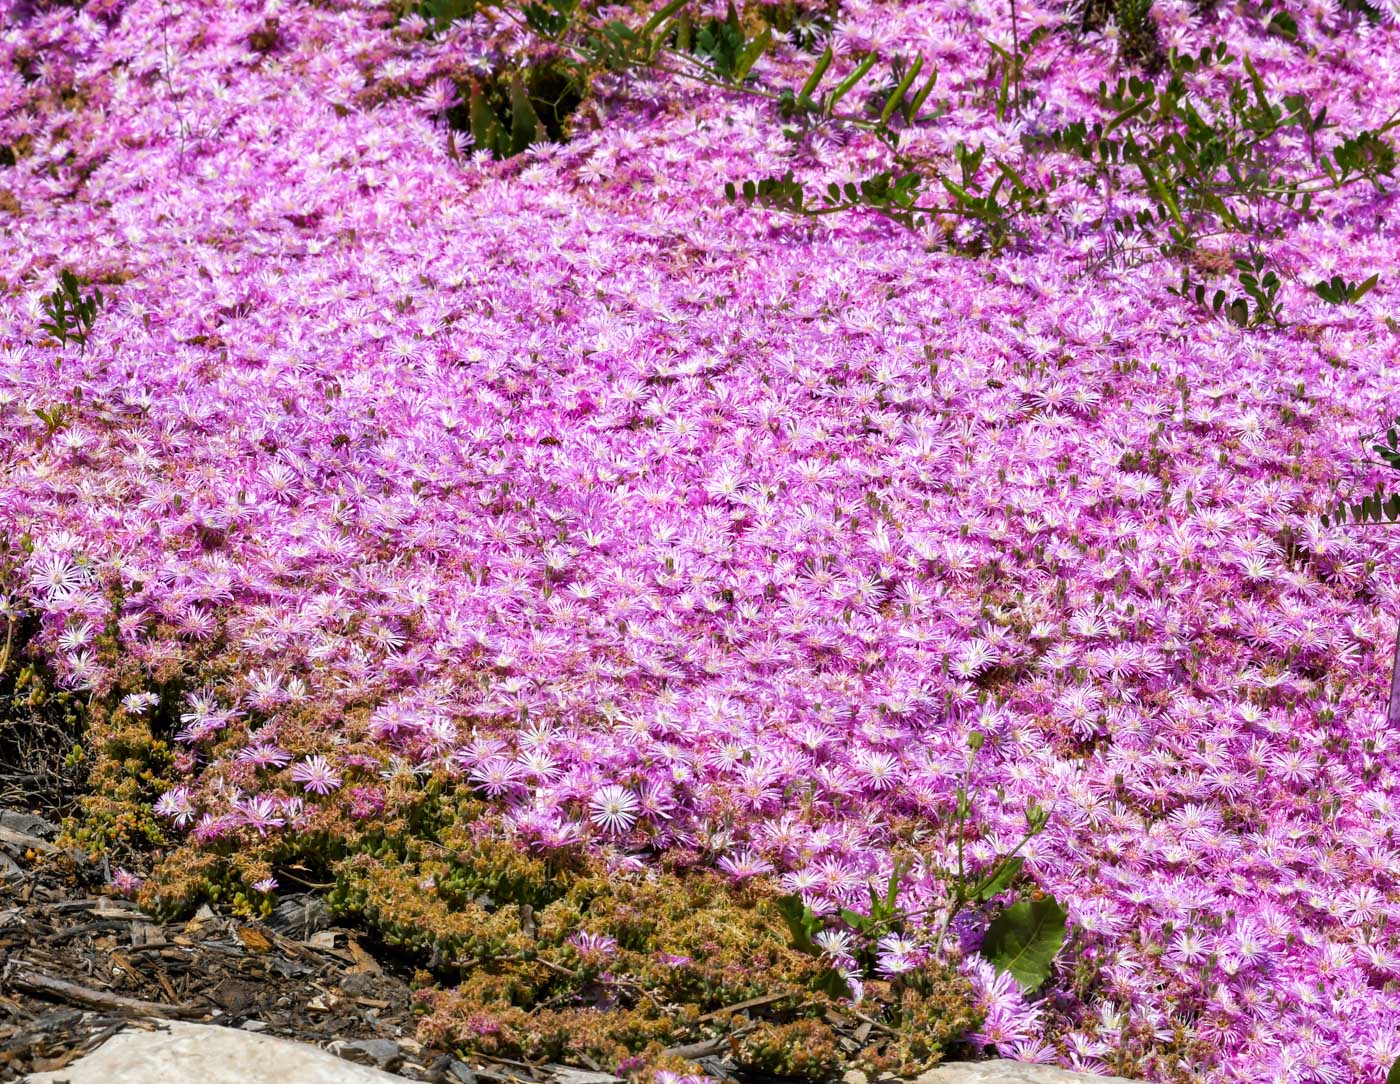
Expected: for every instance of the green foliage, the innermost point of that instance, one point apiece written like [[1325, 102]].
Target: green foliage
[[440, 14], [1363, 155], [552, 18], [1206, 165], [1137, 34], [1380, 506], [722, 41], [1024, 939], [70, 312], [800, 1048], [511, 110], [802, 924], [1393, 1077], [1340, 292], [1261, 286], [1221, 175]]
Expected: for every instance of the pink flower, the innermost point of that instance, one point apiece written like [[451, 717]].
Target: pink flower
[[125, 883], [613, 808], [316, 775]]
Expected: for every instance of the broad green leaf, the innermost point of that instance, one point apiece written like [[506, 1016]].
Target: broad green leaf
[[855, 919], [1024, 939], [832, 984], [486, 129]]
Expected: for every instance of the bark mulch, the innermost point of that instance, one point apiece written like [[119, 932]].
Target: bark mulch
[[77, 964]]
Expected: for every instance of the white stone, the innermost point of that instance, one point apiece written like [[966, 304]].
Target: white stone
[[1009, 1072], [209, 1054]]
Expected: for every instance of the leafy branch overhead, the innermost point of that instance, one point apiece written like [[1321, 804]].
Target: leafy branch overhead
[[1169, 165]]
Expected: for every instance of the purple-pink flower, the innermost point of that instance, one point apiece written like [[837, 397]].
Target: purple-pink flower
[[316, 774], [681, 529]]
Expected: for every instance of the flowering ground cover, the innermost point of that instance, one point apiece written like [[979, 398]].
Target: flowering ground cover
[[628, 521]]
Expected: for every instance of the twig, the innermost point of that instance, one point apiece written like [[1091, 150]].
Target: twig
[[875, 1025], [691, 1051], [41, 985], [88, 927], [751, 1003], [705, 1047]]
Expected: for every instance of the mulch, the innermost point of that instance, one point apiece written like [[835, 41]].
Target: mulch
[[77, 964]]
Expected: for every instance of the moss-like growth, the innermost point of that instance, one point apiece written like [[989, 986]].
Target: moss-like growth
[[555, 957], [805, 1048]]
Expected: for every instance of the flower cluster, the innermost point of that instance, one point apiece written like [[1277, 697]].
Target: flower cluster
[[685, 532]]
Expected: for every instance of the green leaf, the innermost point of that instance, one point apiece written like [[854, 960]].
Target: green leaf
[[661, 16], [1000, 879], [855, 920], [922, 96], [823, 62], [1393, 1077], [525, 126], [1023, 940], [844, 87], [901, 88], [752, 51], [486, 129], [801, 923], [832, 984]]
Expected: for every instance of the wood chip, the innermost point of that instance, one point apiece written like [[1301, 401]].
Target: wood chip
[[751, 1003], [365, 964], [254, 940], [169, 990], [147, 935], [323, 940]]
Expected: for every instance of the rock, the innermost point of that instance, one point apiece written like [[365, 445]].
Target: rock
[[383, 1053], [10, 870], [1001, 1071], [211, 1055]]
